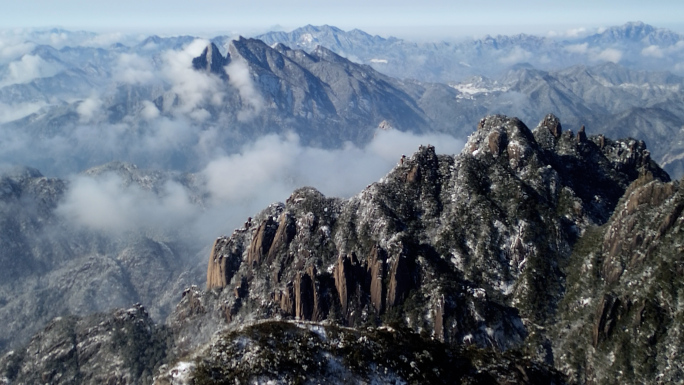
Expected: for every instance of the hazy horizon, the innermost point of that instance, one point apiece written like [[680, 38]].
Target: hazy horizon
[[404, 19]]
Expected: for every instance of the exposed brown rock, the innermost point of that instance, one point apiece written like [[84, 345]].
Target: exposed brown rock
[[613, 268], [231, 308], [283, 236], [413, 175], [343, 276], [552, 123], [191, 302], [400, 281], [653, 194], [284, 299], [223, 264], [376, 271], [606, 316], [496, 141], [669, 220], [307, 301], [581, 135], [261, 243]]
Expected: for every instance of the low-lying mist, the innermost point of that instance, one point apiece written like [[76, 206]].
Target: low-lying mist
[[231, 188]]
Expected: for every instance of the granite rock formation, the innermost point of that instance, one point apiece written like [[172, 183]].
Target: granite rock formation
[[533, 256]]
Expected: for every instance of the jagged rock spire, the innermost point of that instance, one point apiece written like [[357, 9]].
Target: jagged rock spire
[[212, 61]]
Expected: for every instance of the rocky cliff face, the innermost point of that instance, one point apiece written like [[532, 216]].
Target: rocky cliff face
[[620, 319], [530, 249]]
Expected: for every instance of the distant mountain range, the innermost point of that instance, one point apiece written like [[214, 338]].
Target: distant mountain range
[[635, 45], [330, 86]]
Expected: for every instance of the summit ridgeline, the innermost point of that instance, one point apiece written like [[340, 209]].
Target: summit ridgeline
[[467, 249]]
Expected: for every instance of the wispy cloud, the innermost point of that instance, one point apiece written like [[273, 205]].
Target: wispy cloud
[[133, 69], [28, 68], [240, 78], [516, 55], [608, 54]]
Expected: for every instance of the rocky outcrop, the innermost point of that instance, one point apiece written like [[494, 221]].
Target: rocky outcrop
[[552, 124], [377, 271], [285, 300], [307, 304], [452, 245], [497, 142], [224, 260], [261, 242], [581, 135], [619, 297], [212, 61], [605, 318], [400, 280], [343, 273], [282, 238]]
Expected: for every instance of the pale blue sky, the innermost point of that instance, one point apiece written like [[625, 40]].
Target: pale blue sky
[[397, 17]]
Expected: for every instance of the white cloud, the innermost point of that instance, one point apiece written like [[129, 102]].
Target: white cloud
[[239, 185], [133, 69], [240, 78], [149, 111], [89, 108], [577, 48], [28, 68], [10, 112], [105, 203], [193, 88], [516, 55], [609, 54], [282, 164], [595, 53], [164, 135], [576, 32], [652, 51], [239, 176], [572, 33], [58, 39], [12, 50], [104, 39]]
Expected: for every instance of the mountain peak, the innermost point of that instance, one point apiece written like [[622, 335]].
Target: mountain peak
[[212, 61]]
